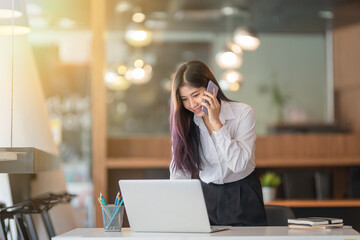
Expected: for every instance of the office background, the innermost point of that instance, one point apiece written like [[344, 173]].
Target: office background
[[302, 82]]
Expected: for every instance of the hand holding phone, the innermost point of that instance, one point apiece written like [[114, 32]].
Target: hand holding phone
[[209, 89]]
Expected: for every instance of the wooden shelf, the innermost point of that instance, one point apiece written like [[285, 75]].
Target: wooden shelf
[[317, 203], [137, 163], [307, 162], [142, 162], [281, 150]]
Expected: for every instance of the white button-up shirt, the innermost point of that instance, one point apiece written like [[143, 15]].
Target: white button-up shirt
[[227, 155]]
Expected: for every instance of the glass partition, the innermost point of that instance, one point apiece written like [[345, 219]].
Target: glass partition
[[60, 40], [284, 79]]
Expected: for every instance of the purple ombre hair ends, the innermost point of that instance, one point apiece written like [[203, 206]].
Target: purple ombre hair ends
[[185, 133]]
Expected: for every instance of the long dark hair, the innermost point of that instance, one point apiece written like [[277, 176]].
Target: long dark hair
[[185, 133]]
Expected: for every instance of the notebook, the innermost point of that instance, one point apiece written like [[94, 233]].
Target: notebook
[[166, 206]]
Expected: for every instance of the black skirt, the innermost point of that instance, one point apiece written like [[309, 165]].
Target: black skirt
[[238, 203]]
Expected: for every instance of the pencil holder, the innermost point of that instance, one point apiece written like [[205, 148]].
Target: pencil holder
[[112, 217]]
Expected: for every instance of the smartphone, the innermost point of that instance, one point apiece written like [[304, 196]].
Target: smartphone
[[209, 89]]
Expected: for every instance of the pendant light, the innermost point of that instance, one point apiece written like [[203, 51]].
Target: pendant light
[[13, 19], [228, 59], [231, 56], [246, 39], [136, 34], [10, 9], [139, 73]]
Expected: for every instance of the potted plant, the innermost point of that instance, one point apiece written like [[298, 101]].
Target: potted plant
[[269, 182]]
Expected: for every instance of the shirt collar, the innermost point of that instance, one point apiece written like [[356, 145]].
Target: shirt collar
[[226, 113]]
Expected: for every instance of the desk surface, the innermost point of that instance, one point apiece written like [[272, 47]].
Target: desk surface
[[253, 233]]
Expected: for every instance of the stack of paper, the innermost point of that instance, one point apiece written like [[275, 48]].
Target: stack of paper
[[315, 223]]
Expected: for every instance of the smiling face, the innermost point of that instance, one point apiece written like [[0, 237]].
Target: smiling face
[[191, 98]]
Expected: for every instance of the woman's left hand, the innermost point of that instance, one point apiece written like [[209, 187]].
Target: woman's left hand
[[213, 108]]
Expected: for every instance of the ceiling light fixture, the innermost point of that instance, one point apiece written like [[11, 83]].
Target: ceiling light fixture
[[138, 17], [20, 28], [140, 73], [246, 39], [235, 48], [232, 76], [329, 15], [116, 82], [121, 69], [231, 57], [33, 9], [228, 59], [137, 36], [10, 9], [13, 20], [228, 11], [123, 6], [234, 86]]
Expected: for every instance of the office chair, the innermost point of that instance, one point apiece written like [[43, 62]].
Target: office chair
[[277, 215], [21, 213]]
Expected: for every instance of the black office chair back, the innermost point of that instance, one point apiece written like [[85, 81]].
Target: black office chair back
[[277, 215]]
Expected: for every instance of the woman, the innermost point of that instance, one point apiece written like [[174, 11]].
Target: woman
[[219, 148]]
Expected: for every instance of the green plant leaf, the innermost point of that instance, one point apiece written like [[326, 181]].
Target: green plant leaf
[[270, 179]]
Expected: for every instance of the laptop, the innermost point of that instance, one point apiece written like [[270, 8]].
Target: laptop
[[166, 206]]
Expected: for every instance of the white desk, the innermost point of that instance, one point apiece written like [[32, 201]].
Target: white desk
[[239, 233]]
